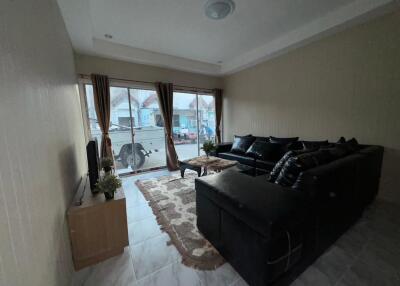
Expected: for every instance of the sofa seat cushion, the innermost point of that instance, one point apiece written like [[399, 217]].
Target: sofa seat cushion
[[242, 159], [265, 165], [253, 200]]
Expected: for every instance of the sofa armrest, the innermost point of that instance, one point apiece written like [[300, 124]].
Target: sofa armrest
[[223, 147]]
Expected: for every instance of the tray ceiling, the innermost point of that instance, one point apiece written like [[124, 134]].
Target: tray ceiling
[[177, 34]]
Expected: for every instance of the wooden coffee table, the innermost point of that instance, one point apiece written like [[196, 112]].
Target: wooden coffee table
[[205, 163]]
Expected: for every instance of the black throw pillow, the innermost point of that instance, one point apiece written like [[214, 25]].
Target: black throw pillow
[[279, 165], [295, 165], [262, 150], [287, 144], [289, 173], [241, 144], [314, 144], [351, 145]]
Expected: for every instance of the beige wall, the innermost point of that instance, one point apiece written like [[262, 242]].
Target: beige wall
[[42, 155], [344, 85], [125, 70]]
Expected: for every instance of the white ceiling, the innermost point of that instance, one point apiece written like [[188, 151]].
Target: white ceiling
[[177, 34]]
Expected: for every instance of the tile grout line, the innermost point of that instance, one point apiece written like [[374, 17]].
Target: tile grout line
[[133, 267], [147, 239]]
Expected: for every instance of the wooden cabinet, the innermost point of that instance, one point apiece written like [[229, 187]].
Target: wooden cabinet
[[98, 228]]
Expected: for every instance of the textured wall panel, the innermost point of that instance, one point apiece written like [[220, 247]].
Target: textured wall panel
[[41, 143], [344, 85]]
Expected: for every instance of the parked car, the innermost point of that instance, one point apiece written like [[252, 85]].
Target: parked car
[[184, 135]]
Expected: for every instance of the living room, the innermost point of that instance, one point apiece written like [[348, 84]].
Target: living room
[[199, 142]]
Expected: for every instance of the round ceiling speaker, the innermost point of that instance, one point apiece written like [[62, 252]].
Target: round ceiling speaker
[[219, 9]]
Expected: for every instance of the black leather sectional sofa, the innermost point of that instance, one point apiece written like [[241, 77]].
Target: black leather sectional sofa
[[270, 230], [261, 153]]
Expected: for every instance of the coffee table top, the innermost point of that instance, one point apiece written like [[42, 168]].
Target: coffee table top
[[211, 162]]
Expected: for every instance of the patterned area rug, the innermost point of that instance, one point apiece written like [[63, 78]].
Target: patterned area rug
[[173, 201]]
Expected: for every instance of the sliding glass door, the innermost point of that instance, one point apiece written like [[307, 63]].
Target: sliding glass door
[[206, 118], [136, 128], [193, 123], [185, 125]]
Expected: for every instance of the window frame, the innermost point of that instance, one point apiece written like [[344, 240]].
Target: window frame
[[198, 93], [113, 84]]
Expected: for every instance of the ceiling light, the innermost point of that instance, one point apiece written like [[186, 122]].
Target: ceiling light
[[219, 9], [108, 36]]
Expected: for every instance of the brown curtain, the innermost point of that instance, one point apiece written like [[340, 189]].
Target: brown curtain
[[101, 92], [218, 113], [165, 101]]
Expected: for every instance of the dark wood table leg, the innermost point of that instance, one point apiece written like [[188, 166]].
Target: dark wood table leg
[[182, 172], [205, 172]]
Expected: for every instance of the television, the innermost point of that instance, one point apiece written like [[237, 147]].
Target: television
[[92, 151]]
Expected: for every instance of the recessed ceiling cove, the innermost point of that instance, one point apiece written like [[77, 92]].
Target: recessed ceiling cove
[[178, 34]]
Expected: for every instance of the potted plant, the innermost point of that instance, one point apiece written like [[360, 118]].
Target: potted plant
[[208, 147], [106, 164], [108, 185]]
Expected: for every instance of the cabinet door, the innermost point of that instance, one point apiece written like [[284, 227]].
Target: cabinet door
[[97, 231]]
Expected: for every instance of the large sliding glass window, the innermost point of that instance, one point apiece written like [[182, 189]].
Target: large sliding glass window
[[136, 128], [193, 123]]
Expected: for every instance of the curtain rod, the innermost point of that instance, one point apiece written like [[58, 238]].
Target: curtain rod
[[85, 76]]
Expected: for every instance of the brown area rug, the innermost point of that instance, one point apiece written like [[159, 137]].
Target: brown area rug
[[173, 201]]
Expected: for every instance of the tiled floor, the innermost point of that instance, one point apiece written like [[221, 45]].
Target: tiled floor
[[368, 254]]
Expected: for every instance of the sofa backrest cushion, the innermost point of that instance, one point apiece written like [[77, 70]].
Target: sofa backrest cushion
[[337, 151], [314, 144], [340, 150], [261, 138], [263, 150], [241, 144], [289, 140]]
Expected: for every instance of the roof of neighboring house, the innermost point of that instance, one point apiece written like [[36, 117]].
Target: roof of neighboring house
[[181, 101]]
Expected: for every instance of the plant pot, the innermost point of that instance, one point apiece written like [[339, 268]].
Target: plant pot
[[107, 169], [109, 195], [207, 154]]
